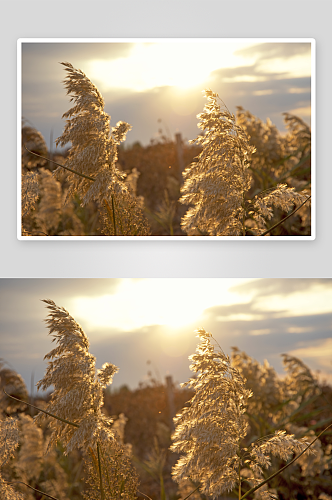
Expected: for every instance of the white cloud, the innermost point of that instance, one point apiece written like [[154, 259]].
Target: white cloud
[[264, 331], [321, 350], [173, 302]]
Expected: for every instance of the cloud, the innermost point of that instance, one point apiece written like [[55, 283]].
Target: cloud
[[281, 286], [74, 51], [44, 98], [264, 94], [246, 309], [142, 110], [252, 71], [22, 310], [321, 349], [266, 51], [247, 325], [318, 356], [239, 325], [65, 286]]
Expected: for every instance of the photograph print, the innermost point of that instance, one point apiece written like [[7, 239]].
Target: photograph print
[[166, 139], [166, 388]]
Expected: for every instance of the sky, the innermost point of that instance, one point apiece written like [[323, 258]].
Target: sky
[[156, 85], [143, 325]]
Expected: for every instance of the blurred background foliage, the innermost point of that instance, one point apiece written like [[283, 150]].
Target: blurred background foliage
[[154, 174], [142, 417]]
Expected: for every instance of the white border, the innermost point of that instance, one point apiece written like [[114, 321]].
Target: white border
[[312, 41]]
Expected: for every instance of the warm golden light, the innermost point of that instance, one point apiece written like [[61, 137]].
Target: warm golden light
[[177, 64], [175, 303], [172, 302]]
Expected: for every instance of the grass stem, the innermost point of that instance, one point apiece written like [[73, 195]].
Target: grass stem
[[34, 489], [102, 495], [44, 411], [283, 220], [285, 467], [59, 165]]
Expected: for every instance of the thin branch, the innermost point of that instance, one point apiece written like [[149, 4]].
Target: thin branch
[[283, 468], [59, 165], [144, 495], [81, 175], [39, 409], [113, 211], [283, 220], [94, 459], [102, 496], [193, 491], [38, 491]]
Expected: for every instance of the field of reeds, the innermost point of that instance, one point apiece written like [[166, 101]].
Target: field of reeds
[[239, 177], [236, 429]]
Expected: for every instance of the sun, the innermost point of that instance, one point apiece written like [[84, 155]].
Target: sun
[[137, 305], [170, 302], [147, 67], [182, 64]]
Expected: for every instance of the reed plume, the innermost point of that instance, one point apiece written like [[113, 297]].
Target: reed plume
[[210, 430], [13, 383], [9, 441], [76, 406], [92, 161], [78, 387], [216, 186], [93, 151]]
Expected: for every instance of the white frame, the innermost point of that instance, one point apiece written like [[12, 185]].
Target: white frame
[[312, 41]]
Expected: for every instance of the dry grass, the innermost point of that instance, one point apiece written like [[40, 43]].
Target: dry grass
[[218, 183], [235, 419], [244, 178]]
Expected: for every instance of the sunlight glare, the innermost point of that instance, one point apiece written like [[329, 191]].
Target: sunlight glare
[[172, 302], [184, 102], [174, 346], [177, 64]]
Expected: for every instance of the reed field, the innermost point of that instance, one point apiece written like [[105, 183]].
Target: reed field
[[240, 176], [235, 429]]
